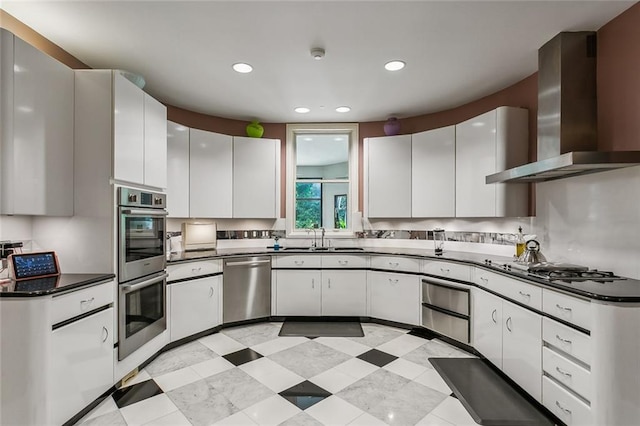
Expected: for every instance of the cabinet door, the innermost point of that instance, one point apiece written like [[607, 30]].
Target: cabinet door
[[522, 348], [211, 159], [344, 293], [388, 183], [128, 132], [38, 157], [81, 364], [394, 297], [433, 173], [487, 326], [256, 178], [194, 306], [155, 143], [177, 170], [475, 159], [298, 293]]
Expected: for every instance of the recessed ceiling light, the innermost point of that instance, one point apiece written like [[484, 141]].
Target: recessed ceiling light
[[302, 110], [242, 67], [394, 65], [343, 109]]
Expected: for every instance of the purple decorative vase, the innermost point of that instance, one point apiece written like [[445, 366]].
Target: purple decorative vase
[[392, 127]]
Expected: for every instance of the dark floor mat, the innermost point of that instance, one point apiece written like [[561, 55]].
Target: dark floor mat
[[321, 329], [487, 397]]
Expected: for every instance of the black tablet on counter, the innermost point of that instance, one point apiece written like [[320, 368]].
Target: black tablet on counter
[[24, 266]]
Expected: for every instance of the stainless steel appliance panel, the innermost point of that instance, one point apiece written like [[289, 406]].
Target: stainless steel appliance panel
[[445, 296], [246, 290], [449, 325]]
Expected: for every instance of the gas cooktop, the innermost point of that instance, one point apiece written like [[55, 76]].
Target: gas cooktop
[[570, 276]]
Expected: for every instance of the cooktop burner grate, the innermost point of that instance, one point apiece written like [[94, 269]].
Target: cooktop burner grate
[[572, 276]]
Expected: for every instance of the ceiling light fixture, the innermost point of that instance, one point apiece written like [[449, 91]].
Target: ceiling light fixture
[[394, 65], [243, 68], [317, 53], [302, 110], [343, 109]]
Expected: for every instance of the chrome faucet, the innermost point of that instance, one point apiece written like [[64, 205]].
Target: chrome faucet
[[322, 238], [314, 244]]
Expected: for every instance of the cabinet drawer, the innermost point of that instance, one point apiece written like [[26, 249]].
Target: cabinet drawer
[[299, 261], [193, 269], [447, 270], [454, 327], [565, 406], [395, 263], [567, 372], [79, 302], [567, 340], [567, 308], [445, 296], [344, 261], [526, 294]]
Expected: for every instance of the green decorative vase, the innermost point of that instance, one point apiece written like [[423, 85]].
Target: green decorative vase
[[255, 129]]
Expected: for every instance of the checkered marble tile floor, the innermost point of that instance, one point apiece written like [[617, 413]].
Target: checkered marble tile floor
[[249, 375]]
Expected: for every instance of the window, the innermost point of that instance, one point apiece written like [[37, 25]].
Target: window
[[321, 178]]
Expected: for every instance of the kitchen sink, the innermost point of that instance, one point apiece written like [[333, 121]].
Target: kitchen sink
[[322, 249]]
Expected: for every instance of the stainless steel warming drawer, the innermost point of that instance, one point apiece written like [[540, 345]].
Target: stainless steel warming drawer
[[445, 309]]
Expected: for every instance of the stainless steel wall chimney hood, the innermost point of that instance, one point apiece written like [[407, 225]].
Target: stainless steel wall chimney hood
[[567, 115]]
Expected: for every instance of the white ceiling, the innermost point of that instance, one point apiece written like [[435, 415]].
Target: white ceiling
[[456, 51]]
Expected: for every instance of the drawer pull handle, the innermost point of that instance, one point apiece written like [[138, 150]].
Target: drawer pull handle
[[563, 340], [106, 334], [313, 283], [564, 373], [393, 282], [564, 410], [493, 316], [484, 280], [394, 264], [210, 291], [343, 262], [86, 302], [527, 295], [196, 270], [329, 281], [445, 270], [563, 308], [299, 262]]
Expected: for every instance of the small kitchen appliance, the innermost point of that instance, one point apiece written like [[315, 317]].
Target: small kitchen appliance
[[199, 236], [438, 240]]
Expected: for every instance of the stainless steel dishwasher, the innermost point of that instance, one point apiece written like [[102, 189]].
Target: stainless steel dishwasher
[[246, 287]]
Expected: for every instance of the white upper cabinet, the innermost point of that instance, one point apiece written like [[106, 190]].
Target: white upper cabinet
[[256, 178], [155, 143], [36, 125], [210, 174], [487, 144], [433, 173], [177, 170], [128, 127], [388, 177]]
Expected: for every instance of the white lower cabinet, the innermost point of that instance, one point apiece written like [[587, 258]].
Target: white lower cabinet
[[81, 364], [511, 338], [298, 293], [344, 293], [195, 306], [394, 297], [568, 408]]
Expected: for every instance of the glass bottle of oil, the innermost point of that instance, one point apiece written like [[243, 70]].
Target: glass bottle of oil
[[520, 244]]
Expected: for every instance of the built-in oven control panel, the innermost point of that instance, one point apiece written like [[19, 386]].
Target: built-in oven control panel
[[130, 197]]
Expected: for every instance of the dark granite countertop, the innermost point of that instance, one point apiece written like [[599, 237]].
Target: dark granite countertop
[[51, 285], [621, 291]]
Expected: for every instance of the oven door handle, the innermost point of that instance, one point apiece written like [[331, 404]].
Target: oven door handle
[[145, 212], [128, 288]]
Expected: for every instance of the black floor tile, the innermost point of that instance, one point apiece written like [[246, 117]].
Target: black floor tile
[[136, 393], [422, 332], [377, 357], [242, 356], [305, 394]]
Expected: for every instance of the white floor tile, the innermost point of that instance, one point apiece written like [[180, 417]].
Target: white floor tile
[[277, 345], [271, 374], [106, 406], [334, 411], [147, 410], [272, 411], [221, 343], [431, 420], [138, 378], [238, 419], [452, 411], [432, 379], [402, 345], [344, 345], [357, 368], [367, 419], [174, 419], [333, 380], [405, 368], [177, 379], [211, 367]]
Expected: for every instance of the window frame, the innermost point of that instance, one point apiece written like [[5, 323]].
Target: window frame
[[294, 130]]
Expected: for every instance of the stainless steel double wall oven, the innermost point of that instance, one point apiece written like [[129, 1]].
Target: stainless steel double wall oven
[[142, 277]]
